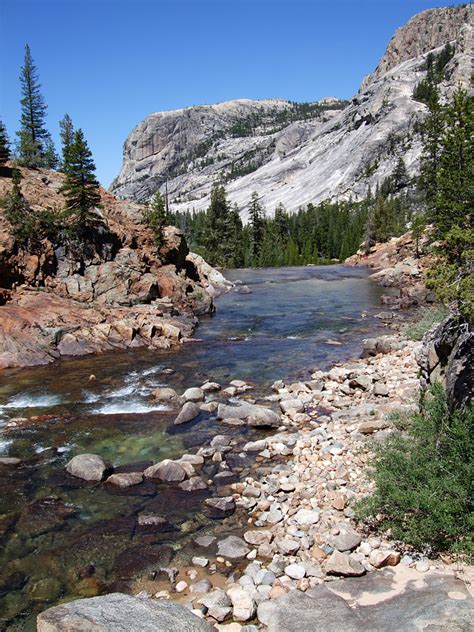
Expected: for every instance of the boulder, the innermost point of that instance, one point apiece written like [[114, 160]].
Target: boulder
[[380, 558], [89, 467], [194, 394], [243, 605], [117, 612], [218, 604], [195, 483], [341, 564], [167, 471], [187, 413], [165, 394], [306, 517], [232, 547], [346, 540], [223, 505], [211, 387], [125, 479], [202, 586], [253, 414], [255, 446], [298, 612], [258, 537], [295, 405], [9, 460]]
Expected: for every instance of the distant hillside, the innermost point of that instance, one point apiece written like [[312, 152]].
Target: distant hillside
[[300, 153]]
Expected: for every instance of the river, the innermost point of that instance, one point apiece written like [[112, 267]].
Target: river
[[62, 538]]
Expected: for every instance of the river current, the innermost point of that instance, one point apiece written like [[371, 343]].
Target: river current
[[62, 538]]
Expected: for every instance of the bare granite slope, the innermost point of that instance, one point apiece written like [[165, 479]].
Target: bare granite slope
[[294, 156]]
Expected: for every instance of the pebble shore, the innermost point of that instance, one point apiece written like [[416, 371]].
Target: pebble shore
[[301, 530]]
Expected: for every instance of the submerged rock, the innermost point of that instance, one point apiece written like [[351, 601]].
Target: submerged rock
[[232, 547], [125, 479], [224, 505], [167, 471]]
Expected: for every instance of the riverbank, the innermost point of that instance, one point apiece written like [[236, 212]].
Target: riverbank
[[301, 549]]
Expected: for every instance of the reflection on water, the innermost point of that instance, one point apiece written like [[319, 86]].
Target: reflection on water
[[54, 527]]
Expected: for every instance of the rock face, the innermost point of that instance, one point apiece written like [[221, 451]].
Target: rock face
[[114, 291], [120, 613], [447, 356], [266, 146]]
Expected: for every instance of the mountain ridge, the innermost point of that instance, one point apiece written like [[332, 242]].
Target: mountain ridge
[[299, 153]]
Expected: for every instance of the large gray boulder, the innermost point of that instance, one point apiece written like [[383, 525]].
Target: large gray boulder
[[89, 467], [120, 613], [253, 414], [436, 603], [167, 471]]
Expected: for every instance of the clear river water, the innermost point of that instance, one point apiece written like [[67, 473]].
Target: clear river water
[[62, 538]]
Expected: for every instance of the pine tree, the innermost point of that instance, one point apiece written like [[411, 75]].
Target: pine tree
[[401, 179], [18, 211], [447, 177], [431, 132], [156, 217], [236, 259], [32, 134], [51, 160], [256, 220], [454, 200], [67, 138], [81, 187], [219, 229], [4, 144]]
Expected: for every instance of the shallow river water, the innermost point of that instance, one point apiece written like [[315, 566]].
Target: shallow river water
[[62, 538]]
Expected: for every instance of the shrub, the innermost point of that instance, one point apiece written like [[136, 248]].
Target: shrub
[[428, 318], [424, 479]]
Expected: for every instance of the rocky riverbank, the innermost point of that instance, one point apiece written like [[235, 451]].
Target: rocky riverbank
[[400, 263], [59, 298], [293, 566]]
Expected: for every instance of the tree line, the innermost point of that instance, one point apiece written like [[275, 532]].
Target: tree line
[[35, 149], [315, 234]]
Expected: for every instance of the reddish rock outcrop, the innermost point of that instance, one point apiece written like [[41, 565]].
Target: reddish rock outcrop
[[116, 292], [399, 263]]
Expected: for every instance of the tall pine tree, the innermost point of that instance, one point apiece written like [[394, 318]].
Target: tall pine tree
[[33, 133], [67, 138], [257, 225], [81, 187]]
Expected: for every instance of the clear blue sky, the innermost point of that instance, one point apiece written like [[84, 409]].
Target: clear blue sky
[[110, 63]]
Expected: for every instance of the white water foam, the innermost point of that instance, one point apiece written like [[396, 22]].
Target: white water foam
[[32, 401], [128, 408], [4, 443]]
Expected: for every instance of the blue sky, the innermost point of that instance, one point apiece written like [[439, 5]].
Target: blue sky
[[110, 63]]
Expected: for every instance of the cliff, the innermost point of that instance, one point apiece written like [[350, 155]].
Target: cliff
[[303, 153]]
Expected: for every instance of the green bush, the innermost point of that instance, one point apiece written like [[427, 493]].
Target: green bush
[[424, 480], [428, 318]]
